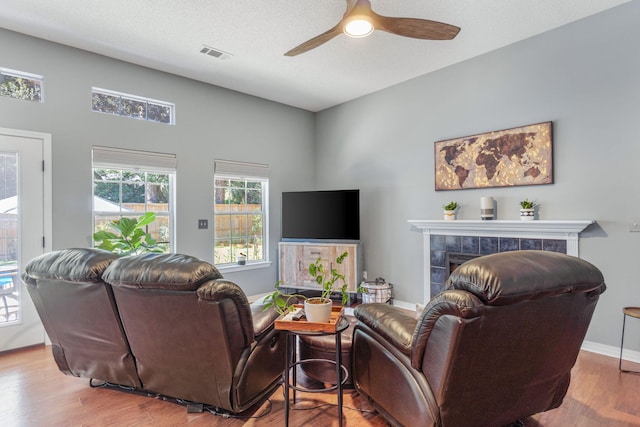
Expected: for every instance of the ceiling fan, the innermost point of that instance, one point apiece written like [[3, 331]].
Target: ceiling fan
[[360, 20]]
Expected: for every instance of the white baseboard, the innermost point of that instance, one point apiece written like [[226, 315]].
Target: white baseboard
[[593, 347], [611, 351], [405, 305]]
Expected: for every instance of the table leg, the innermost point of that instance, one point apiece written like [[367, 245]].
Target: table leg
[[287, 361], [339, 375], [294, 371]]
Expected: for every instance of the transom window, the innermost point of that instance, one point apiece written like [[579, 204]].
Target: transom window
[[240, 213], [136, 107], [21, 85], [121, 189]]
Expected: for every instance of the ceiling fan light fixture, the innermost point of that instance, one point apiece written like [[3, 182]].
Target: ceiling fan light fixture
[[358, 26]]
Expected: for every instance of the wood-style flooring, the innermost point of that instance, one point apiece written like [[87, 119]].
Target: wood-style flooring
[[34, 393]]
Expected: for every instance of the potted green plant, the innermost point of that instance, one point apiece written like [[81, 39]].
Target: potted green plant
[[528, 210], [450, 211], [130, 237], [317, 309]]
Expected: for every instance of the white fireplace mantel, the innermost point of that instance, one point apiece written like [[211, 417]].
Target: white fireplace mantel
[[543, 229], [568, 230]]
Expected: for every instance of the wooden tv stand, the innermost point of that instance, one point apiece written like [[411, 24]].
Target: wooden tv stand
[[295, 257]]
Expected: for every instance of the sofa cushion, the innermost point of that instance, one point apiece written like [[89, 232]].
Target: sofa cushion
[[160, 271]]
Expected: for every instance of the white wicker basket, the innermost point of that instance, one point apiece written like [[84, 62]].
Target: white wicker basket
[[377, 292]]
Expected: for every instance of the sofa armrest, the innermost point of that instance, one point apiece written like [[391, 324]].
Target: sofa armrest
[[221, 289], [448, 303], [394, 324], [262, 319]]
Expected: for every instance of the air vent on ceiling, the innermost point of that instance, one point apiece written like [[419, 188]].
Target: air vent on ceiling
[[216, 53]]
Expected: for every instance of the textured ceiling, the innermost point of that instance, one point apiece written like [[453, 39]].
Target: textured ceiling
[[168, 35]]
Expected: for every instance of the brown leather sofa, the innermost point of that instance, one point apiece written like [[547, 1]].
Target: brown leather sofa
[[185, 332], [79, 314], [496, 346]]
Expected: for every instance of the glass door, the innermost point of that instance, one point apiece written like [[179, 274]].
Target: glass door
[[21, 235]]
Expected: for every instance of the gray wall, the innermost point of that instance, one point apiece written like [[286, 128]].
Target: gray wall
[[583, 77], [211, 123]]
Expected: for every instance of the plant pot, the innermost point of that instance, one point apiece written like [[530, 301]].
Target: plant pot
[[242, 260], [527, 214], [318, 309], [449, 215]]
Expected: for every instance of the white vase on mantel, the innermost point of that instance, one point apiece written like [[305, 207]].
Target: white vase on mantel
[[449, 215], [527, 214]]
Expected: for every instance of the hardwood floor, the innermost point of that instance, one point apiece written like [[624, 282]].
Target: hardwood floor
[[34, 393]]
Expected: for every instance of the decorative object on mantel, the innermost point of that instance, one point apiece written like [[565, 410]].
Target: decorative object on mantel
[[450, 211], [486, 208], [528, 210], [504, 158]]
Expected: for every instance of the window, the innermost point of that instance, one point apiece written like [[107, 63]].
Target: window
[[240, 212], [19, 85], [136, 107], [130, 183]]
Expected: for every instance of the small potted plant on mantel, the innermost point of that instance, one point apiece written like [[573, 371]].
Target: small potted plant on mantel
[[450, 211], [528, 210], [317, 309]]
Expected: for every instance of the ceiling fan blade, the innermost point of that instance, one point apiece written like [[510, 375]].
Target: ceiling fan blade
[[316, 41], [416, 28]]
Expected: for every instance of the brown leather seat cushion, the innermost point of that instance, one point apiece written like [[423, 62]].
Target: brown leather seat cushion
[[324, 347]]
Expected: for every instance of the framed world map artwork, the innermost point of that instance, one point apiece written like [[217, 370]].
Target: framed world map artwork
[[504, 158]]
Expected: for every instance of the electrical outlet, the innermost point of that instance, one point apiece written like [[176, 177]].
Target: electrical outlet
[[203, 223], [634, 226]]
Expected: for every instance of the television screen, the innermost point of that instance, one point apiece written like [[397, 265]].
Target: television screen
[[331, 215]]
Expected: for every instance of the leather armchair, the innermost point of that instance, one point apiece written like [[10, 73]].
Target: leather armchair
[[496, 346], [79, 314], [194, 335]]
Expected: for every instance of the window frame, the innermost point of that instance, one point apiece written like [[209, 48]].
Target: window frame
[[248, 172], [136, 98], [153, 163], [27, 76]]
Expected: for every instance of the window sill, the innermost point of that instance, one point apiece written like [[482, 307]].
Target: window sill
[[232, 268]]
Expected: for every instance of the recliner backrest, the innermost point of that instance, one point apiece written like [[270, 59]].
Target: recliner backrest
[[506, 333], [80, 316], [189, 329]]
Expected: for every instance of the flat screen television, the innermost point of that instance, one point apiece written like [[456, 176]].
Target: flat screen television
[[330, 215]]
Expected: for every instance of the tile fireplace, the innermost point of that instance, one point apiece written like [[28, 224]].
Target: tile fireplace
[[447, 244]]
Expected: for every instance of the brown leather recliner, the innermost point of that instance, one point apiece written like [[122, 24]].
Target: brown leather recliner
[[79, 314], [496, 346], [194, 335]]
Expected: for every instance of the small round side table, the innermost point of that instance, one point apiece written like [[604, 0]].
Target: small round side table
[[291, 362], [633, 312]]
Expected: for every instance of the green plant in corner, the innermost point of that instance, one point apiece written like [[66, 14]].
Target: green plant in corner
[[130, 237], [451, 206], [527, 204]]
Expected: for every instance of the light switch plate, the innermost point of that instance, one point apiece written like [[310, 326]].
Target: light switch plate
[[203, 223]]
